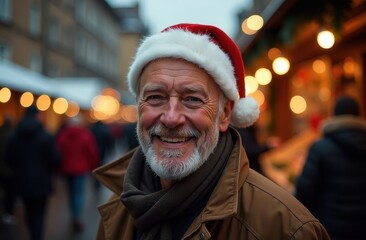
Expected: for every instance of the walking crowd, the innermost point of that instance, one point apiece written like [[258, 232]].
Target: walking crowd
[[32, 158]]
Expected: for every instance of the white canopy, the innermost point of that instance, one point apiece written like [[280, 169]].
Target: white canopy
[[21, 79], [79, 89]]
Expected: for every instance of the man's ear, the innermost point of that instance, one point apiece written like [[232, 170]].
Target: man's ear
[[225, 117]]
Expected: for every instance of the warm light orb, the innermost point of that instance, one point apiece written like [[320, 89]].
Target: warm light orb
[[43, 102], [60, 105], [251, 85], [129, 113], [349, 66], [5, 95], [324, 94], [263, 76], [259, 97], [274, 53], [26, 99], [73, 109], [105, 106], [255, 22], [246, 29], [298, 104], [325, 39], [281, 65], [319, 66]]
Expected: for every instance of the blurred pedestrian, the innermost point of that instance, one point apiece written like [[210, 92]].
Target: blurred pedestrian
[[254, 148], [333, 181], [130, 136], [7, 194], [32, 156], [79, 156], [104, 140]]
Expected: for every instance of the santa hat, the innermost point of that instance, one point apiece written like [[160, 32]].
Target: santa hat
[[209, 48]]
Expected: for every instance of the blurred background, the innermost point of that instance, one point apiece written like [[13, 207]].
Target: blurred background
[[71, 57]]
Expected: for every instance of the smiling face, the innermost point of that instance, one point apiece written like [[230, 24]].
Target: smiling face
[[181, 112]]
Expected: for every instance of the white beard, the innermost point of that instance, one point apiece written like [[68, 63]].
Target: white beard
[[169, 167]]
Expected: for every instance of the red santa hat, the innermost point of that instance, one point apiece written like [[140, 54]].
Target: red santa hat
[[209, 48]]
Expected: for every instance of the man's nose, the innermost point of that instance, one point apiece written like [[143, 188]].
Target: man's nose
[[173, 113]]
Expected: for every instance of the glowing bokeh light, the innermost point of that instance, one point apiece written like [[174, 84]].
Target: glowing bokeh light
[[246, 29], [324, 94], [43, 102], [26, 99], [5, 95], [263, 76], [251, 85], [107, 105], [60, 105], [298, 104], [281, 65], [259, 97], [255, 22], [319, 66], [325, 39], [129, 113], [274, 53], [73, 109]]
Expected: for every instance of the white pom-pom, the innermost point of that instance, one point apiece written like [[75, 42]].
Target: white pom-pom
[[245, 112]]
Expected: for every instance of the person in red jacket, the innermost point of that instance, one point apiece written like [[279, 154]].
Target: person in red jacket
[[79, 156]]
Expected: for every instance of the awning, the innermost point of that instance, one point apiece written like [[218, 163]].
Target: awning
[[78, 89], [81, 90], [21, 79]]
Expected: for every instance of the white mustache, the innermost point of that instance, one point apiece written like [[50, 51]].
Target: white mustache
[[160, 130]]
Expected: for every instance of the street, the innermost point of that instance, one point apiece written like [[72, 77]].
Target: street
[[57, 223]]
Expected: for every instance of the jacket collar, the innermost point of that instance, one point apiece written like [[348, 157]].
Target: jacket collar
[[112, 174]]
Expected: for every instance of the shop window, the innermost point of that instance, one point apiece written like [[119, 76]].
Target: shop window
[[69, 38], [34, 19], [53, 70], [5, 10], [5, 51], [35, 62], [54, 32]]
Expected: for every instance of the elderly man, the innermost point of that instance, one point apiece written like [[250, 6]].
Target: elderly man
[[190, 177]]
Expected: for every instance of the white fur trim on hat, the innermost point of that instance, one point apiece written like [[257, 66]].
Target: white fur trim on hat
[[202, 51], [194, 48]]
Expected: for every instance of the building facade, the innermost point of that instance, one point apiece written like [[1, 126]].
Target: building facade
[[62, 38], [66, 45]]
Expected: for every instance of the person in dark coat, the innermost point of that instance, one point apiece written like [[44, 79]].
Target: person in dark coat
[[130, 136], [332, 184], [104, 140], [254, 148], [32, 155], [6, 176]]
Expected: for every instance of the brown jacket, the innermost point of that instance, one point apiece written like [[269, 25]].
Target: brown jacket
[[244, 205]]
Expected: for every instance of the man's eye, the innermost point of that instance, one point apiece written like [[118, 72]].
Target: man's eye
[[155, 99], [193, 101]]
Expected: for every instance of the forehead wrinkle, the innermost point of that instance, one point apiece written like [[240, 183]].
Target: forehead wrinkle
[[150, 87], [197, 88]]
